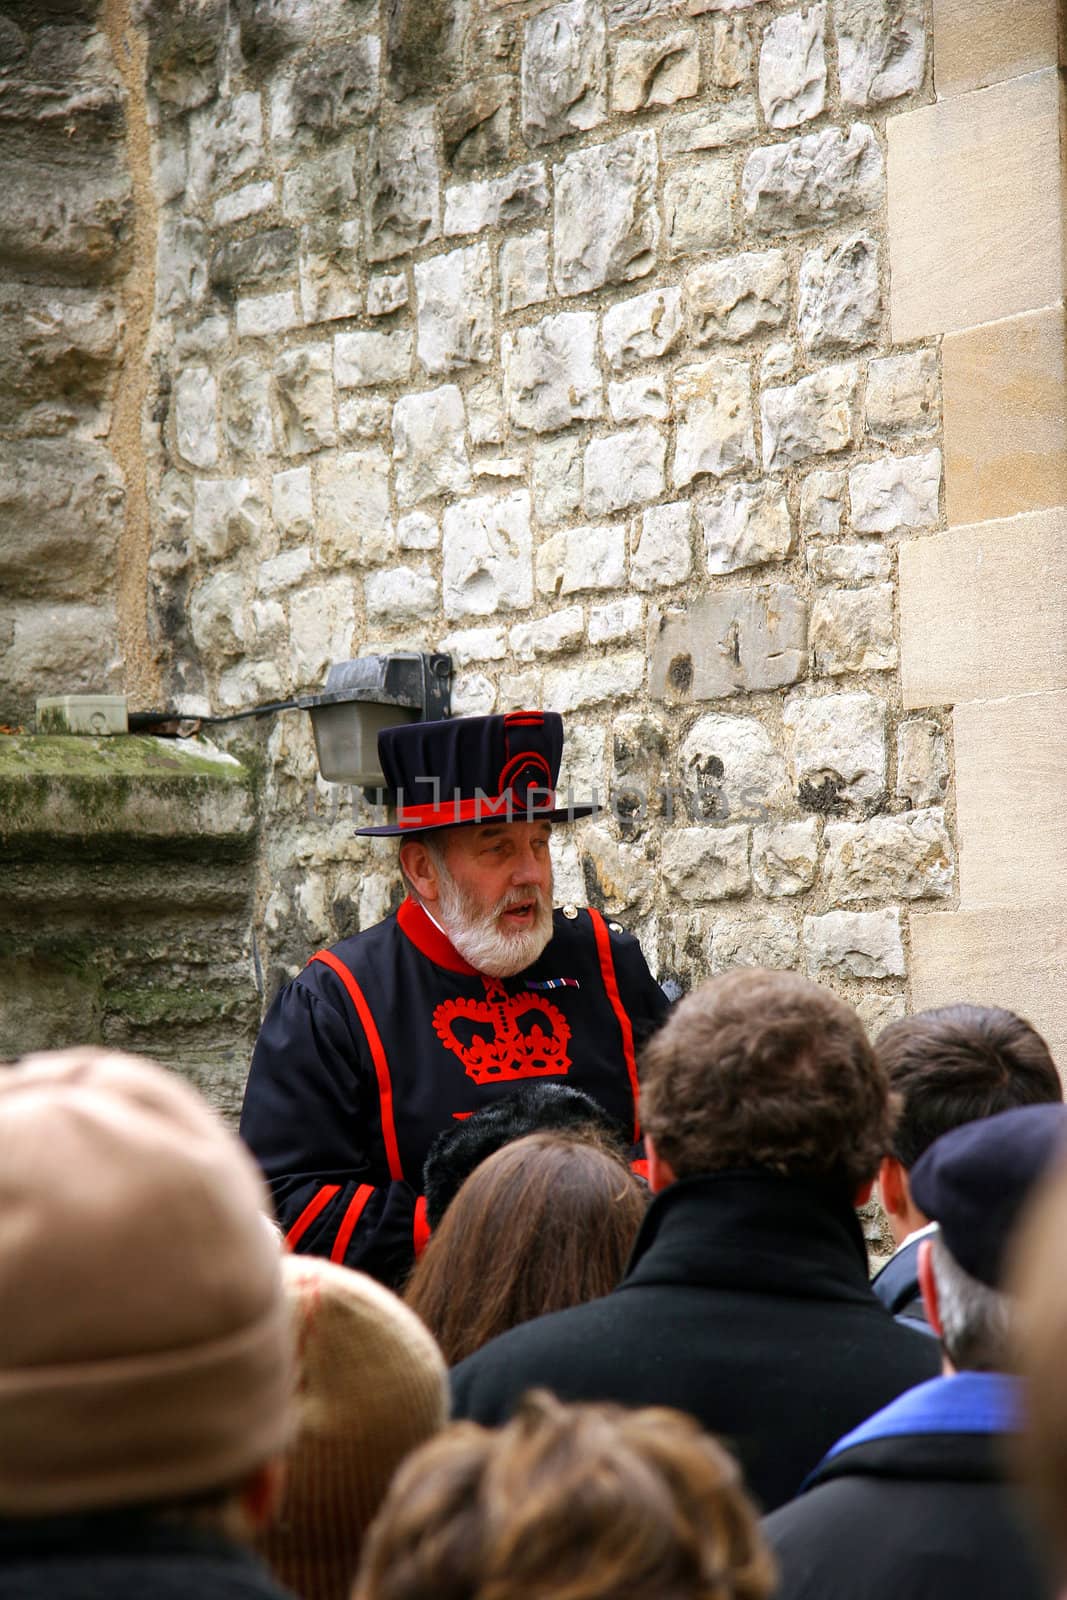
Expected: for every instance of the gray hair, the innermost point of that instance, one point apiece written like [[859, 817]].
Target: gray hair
[[975, 1320]]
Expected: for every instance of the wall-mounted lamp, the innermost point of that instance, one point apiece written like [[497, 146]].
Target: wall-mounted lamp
[[359, 699], [364, 696]]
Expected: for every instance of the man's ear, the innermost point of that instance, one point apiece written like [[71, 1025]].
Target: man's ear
[[660, 1173], [420, 869], [893, 1182], [261, 1494], [928, 1285]]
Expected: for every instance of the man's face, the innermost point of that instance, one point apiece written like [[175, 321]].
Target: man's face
[[494, 898]]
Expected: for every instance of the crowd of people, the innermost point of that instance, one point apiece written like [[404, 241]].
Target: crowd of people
[[555, 1291], [686, 1387]]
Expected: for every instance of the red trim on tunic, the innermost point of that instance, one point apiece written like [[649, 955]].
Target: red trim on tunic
[[640, 1168], [315, 1205], [611, 989], [377, 1050], [352, 1215], [420, 1229], [428, 939]]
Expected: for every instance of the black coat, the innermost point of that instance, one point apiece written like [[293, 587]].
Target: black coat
[[897, 1287], [746, 1303], [920, 1514], [342, 1132], [126, 1555]]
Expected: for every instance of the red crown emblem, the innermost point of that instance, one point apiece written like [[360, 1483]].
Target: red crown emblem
[[505, 1036]]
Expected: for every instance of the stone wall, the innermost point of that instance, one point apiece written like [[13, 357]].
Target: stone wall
[[66, 233], [557, 338]]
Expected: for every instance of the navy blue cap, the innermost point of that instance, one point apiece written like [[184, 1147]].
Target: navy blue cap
[[975, 1181], [474, 769]]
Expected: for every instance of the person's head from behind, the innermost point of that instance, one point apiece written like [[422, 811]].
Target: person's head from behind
[[762, 1069], [145, 1348], [976, 1182], [456, 1151], [371, 1386], [577, 1502], [947, 1067], [545, 1223]]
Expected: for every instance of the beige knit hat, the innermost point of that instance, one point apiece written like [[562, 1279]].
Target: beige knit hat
[[372, 1385], [145, 1350]]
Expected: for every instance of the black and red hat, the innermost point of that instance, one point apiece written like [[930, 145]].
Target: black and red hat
[[474, 769]]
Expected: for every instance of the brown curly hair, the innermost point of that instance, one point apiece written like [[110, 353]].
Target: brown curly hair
[[568, 1502], [765, 1069]]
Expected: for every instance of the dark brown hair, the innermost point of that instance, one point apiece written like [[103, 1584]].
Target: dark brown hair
[[958, 1064], [543, 1224], [765, 1069], [575, 1502]]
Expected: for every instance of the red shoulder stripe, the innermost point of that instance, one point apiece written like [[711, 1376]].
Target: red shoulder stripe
[[611, 988], [315, 1205], [377, 1050], [353, 1212], [420, 1231]]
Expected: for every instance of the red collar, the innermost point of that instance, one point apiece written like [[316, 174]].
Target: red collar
[[427, 938]]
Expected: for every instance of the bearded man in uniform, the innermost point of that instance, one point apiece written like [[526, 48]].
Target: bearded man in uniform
[[473, 986]]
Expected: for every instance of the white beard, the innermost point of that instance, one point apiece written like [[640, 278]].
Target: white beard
[[478, 936]]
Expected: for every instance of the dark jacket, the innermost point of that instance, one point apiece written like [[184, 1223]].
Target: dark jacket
[[897, 1287], [341, 1121], [915, 1503], [746, 1303], [126, 1555]]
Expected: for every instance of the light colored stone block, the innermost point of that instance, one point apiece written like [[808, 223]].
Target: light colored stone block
[[606, 223], [698, 206], [623, 470], [922, 763], [582, 558], [663, 555], [706, 863], [1010, 805], [737, 297], [354, 525], [836, 744], [979, 42], [976, 208], [817, 179], [428, 445], [563, 71], [731, 771], [1005, 409], [785, 856], [642, 328], [809, 418], [895, 492], [792, 68], [716, 431], [655, 72], [881, 49], [857, 944], [839, 301], [995, 956], [637, 398], [556, 479], [906, 857], [454, 294], [551, 375], [744, 525], [901, 394], [982, 612], [732, 641], [852, 630], [487, 548], [524, 277]]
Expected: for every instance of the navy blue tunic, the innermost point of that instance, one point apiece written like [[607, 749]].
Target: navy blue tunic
[[341, 1122]]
